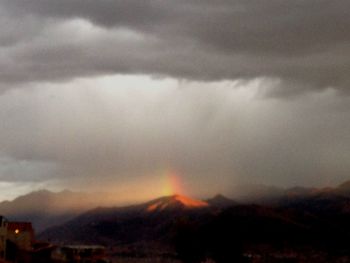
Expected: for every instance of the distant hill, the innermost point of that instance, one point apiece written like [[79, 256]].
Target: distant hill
[[221, 201], [267, 195], [295, 218], [44, 208], [343, 189], [257, 193], [117, 225], [194, 229], [175, 202]]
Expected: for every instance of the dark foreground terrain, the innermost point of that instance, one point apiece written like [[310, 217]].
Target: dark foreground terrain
[[307, 228]]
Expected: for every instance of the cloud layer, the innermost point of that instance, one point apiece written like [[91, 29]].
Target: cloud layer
[[115, 130], [304, 43], [108, 93]]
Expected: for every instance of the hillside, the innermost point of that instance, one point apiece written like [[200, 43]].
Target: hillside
[[272, 195], [145, 222], [193, 229], [44, 208], [221, 201]]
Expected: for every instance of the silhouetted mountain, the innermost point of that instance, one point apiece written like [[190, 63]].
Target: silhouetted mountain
[[139, 223], [300, 191], [271, 195], [44, 208], [221, 201], [257, 193], [343, 189], [74, 220], [174, 202], [196, 230]]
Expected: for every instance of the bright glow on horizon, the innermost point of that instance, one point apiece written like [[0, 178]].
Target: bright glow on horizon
[[172, 183], [123, 134]]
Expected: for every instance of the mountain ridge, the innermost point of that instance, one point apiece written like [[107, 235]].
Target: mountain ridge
[[45, 208], [58, 207], [296, 222], [175, 202]]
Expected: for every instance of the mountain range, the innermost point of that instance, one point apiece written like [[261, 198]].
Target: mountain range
[[193, 229], [217, 228], [46, 209]]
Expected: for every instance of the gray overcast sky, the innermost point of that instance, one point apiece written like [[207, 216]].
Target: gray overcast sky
[[225, 92]]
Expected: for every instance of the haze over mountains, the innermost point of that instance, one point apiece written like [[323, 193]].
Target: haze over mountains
[[46, 209], [146, 222], [219, 227]]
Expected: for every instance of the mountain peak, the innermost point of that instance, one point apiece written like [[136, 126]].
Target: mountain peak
[[344, 186], [174, 202], [221, 201]]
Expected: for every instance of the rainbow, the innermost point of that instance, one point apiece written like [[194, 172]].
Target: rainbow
[[171, 183]]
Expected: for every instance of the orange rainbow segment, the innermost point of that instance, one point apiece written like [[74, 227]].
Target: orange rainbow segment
[[172, 183]]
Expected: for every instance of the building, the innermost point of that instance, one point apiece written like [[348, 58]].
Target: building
[[3, 237], [21, 234], [17, 244], [18, 241]]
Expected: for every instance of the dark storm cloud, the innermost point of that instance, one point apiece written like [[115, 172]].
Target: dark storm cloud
[[304, 43], [15, 170], [213, 135], [103, 91]]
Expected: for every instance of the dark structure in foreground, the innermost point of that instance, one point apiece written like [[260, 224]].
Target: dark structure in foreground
[[18, 244]]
